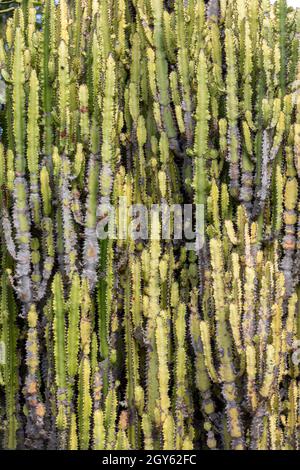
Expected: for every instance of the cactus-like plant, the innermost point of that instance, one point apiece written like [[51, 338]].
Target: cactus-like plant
[[115, 342]]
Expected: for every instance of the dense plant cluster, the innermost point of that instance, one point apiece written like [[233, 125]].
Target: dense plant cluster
[[124, 343]]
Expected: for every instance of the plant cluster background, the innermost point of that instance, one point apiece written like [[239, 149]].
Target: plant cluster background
[[144, 344]]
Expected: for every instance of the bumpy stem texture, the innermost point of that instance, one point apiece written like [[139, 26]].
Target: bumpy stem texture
[[114, 341]]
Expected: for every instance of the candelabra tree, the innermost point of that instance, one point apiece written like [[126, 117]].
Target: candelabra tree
[[109, 341]]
